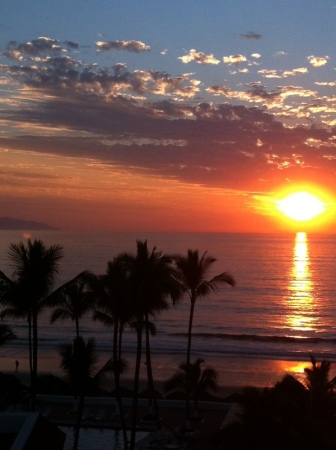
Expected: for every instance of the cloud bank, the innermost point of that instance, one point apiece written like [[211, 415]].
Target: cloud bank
[[146, 120]]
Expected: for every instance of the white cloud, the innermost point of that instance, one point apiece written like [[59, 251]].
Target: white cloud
[[324, 83], [295, 72], [267, 73], [199, 57], [318, 61], [234, 59], [131, 46]]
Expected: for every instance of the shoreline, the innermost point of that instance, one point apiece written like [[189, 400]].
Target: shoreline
[[233, 370], [221, 393]]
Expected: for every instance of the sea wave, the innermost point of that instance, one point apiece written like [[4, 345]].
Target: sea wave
[[260, 338]]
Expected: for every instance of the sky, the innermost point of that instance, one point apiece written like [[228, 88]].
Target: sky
[[166, 115]]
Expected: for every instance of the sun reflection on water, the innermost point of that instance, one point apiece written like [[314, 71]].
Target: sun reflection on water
[[300, 303]]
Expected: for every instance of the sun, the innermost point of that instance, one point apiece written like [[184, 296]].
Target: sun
[[301, 206]]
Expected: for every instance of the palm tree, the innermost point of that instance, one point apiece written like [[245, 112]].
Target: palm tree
[[72, 300], [321, 389], [79, 361], [114, 309], [201, 381], [24, 296], [152, 282], [15, 307], [272, 418], [191, 272]]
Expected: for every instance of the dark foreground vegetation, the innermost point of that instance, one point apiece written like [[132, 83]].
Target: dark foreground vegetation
[[291, 415]]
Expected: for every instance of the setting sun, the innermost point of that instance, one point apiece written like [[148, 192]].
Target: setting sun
[[301, 206]]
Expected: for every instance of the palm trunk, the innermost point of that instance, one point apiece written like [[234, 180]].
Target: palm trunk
[[117, 370], [152, 400], [34, 372], [30, 344], [191, 316], [79, 421], [120, 332], [77, 326], [136, 384]]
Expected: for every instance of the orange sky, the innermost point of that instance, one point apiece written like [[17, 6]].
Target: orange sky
[[127, 126], [85, 194]]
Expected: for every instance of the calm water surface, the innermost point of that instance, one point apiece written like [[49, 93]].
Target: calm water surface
[[282, 309]]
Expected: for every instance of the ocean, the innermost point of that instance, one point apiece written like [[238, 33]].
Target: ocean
[[282, 310]]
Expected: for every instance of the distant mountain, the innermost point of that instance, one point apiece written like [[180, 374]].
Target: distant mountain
[[8, 223]]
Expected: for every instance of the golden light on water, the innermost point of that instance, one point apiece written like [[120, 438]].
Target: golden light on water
[[300, 303], [300, 271], [294, 368]]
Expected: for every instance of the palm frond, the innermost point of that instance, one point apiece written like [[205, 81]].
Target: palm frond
[[59, 314], [6, 334], [103, 317]]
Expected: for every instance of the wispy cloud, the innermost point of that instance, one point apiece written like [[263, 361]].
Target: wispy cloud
[[258, 94], [251, 35], [272, 73], [295, 72], [325, 83]]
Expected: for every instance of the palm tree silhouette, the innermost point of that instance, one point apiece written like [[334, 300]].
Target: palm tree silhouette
[[79, 361], [152, 282], [273, 418], [200, 381], [321, 389], [191, 272], [72, 300], [114, 309], [25, 296]]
